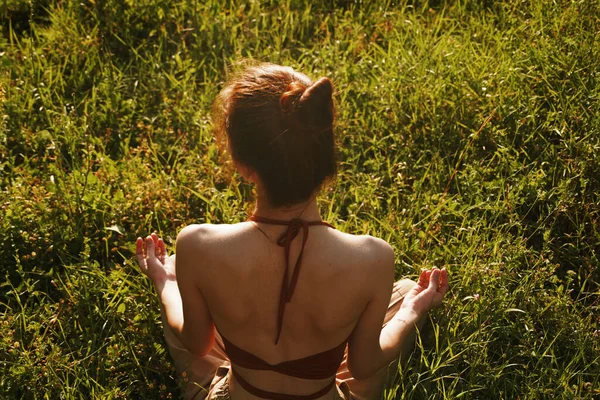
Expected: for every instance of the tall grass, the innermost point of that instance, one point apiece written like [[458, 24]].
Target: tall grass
[[468, 131]]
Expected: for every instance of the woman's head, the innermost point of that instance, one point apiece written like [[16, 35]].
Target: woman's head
[[279, 124]]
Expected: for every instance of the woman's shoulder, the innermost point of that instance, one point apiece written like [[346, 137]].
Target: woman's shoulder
[[366, 252], [205, 236], [366, 245], [207, 229]]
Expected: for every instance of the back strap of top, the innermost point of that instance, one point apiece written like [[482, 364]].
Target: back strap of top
[[263, 394], [285, 241], [316, 366]]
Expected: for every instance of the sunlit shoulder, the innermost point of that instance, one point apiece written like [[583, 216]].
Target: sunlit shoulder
[[369, 248], [203, 237]]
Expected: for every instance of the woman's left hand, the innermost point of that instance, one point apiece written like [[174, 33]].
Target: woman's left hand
[[428, 293], [152, 258]]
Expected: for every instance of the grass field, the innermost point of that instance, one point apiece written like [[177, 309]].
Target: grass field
[[469, 137]]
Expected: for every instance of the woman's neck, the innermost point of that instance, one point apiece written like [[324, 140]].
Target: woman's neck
[[307, 211]]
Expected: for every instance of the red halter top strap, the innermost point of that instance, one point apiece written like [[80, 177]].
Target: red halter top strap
[[285, 241], [263, 394]]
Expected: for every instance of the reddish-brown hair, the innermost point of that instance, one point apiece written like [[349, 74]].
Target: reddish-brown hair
[[280, 124]]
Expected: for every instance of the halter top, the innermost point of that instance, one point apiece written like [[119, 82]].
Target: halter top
[[317, 366]]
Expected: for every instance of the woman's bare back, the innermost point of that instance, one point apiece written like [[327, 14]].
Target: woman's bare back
[[240, 269]]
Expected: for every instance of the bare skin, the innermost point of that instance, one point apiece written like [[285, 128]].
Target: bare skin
[[229, 276]]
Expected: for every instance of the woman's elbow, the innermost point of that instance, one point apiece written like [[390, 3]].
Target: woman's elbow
[[360, 371], [198, 348]]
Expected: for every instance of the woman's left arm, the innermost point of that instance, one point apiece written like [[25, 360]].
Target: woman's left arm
[[198, 330], [182, 304]]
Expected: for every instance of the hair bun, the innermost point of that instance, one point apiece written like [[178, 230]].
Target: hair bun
[[316, 104], [291, 97], [320, 92]]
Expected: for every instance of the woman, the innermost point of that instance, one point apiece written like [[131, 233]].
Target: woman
[[283, 306]]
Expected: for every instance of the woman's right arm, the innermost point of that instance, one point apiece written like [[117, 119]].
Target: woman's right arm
[[370, 347]]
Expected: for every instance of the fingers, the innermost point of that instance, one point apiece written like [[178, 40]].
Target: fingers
[[159, 248], [444, 283], [434, 279], [423, 281], [150, 248], [139, 246], [162, 250], [139, 254], [443, 277], [154, 237]]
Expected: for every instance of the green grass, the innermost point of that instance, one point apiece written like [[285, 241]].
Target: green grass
[[105, 134]]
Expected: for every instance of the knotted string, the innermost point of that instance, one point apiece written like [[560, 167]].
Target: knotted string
[[285, 241]]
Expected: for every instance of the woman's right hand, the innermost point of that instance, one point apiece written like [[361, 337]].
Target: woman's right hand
[[154, 261], [428, 293]]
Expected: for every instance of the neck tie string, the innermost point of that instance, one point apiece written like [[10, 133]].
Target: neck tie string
[[285, 241]]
